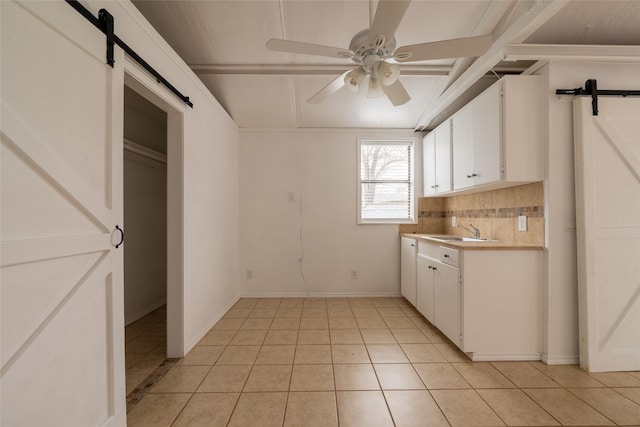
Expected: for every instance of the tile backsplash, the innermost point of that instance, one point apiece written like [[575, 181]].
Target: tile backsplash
[[494, 212]]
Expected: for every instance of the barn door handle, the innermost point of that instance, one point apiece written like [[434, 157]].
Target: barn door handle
[[121, 236]]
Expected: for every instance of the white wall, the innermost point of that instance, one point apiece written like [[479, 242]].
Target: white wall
[[145, 222], [210, 177], [319, 167], [561, 317]]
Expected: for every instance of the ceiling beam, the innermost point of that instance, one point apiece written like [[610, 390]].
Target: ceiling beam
[[559, 52], [307, 70], [529, 16], [493, 15], [325, 70]]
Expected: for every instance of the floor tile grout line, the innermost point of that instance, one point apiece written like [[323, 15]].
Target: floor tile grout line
[[419, 327], [149, 383], [589, 405]]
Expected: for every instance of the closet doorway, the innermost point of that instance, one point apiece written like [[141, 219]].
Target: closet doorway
[[145, 207], [153, 205]]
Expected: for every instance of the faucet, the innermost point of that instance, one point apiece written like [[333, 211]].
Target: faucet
[[475, 231]]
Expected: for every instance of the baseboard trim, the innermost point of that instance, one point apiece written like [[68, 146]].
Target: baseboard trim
[[139, 315], [189, 346], [560, 360], [487, 357], [320, 295]]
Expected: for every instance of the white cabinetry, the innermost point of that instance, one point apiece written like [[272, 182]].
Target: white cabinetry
[[408, 254], [487, 302], [439, 291], [496, 138], [446, 301], [502, 304], [477, 141], [437, 160], [424, 302]]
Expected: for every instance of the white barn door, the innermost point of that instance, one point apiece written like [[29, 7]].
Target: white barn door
[[607, 153], [61, 198]]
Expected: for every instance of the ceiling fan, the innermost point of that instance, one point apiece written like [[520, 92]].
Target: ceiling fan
[[374, 50]]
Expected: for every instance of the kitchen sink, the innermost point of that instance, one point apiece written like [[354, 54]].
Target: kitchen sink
[[464, 239]]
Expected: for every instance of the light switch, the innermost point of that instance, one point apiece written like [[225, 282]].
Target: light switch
[[522, 223]]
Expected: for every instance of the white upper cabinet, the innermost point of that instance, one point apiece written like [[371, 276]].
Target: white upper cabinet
[[463, 146], [494, 141], [429, 163], [437, 160], [487, 138], [443, 157]]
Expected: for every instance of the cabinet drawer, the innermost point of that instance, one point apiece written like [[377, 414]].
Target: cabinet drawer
[[450, 256], [431, 250]]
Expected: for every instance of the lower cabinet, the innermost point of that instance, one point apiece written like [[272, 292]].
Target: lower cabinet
[[424, 292], [487, 302], [438, 295], [446, 301], [408, 253]]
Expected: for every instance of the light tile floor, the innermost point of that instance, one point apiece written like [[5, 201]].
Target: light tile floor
[[145, 346], [361, 362]]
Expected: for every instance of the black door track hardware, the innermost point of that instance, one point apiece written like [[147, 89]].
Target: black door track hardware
[[105, 23], [591, 89]]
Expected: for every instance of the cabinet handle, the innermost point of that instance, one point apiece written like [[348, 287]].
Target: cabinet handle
[[446, 256], [472, 175], [434, 268], [412, 245], [430, 267], [433, 186]]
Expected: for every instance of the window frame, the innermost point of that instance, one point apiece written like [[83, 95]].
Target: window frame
[[413, 188]]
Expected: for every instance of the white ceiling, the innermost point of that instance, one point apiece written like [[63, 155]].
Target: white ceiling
[[224, 43]]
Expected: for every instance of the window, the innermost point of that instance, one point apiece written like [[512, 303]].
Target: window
[[386, 182]]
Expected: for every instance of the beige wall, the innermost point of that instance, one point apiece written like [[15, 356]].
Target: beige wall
[[495, 213]]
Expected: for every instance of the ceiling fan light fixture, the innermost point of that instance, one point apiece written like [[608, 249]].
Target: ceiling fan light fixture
[[354, 78], [375, 88], [388, 73]]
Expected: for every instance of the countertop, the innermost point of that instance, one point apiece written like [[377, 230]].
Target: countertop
[[480, 245]]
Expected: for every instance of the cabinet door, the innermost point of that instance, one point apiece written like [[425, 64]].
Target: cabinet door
[[462, 148], [429, 163], [487, 136], [446, 297], [425, 287], [408, 252], [443, 157]]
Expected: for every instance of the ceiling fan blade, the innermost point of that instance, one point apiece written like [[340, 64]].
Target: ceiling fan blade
[[289, 46], [454, 48], [396, 93], [329, 89], [388, 16]]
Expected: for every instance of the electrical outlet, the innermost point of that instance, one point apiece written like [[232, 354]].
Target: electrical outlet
[[354, 274], [522, 223], [248, 274], [454, 221]]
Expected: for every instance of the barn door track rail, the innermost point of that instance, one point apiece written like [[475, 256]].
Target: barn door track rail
[[104, 22], [591, 89]]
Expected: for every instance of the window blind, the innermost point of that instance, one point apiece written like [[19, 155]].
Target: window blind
[[386, 183]]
